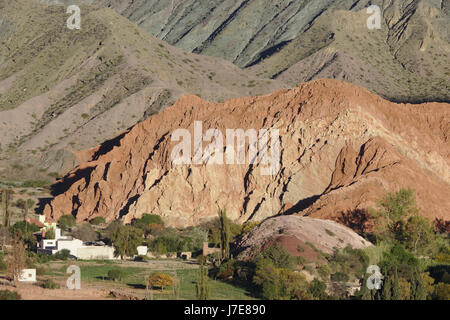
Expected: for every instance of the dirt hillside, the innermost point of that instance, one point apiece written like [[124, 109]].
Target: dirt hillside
[[340, 148]]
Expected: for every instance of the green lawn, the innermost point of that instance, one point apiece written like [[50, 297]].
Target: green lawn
[[134, 278]]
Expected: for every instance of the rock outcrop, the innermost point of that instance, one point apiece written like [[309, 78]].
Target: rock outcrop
[[300, 236], [340, 148]]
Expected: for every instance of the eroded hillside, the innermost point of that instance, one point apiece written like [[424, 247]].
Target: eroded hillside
[[64, 90], [341, 148]]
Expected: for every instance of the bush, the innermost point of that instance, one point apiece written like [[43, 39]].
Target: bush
[[249, 226], [50, 234], [98, 221], [24, 228], [441, 291], [9, 295], [339, 277], [159, 280], [168, 241], [62, 255], [279, 257], [148, 219], [116, 274], [50, 284], [280, 284], [318, 289], [67, 221], [40, 271]]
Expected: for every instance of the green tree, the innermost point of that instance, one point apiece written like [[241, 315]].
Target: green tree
[[202, 284], [418, 234], [318, 289], [278, 256], [365, 292], [396, 292], [6, 195], [98, 221], [421, 291], [394, 210], [66, 221], [441, 291], [387, 288], [126, 239], [50, 234], [116, 274], [225, 235], [25, 206], [413, 286], [147, 219]]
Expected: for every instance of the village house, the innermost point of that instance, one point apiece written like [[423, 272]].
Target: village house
[[76, 247]]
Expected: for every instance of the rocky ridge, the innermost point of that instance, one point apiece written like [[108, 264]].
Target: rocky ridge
[[341, 148]]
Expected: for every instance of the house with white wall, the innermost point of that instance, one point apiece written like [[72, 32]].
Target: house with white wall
[[76, 247]]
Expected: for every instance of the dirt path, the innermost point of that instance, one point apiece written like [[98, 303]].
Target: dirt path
[[35, 292]]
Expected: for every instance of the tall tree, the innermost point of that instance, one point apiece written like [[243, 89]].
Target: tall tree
[[387, 288], [396, 292], [25, 206], [6, 195], [413, 286], [202, 284], [225, 234], [126, 239], [364, 292], [421, 291], [394, 210]]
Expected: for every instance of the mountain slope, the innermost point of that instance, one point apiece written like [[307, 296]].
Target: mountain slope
[[65, 90], [406, 60], [341, 148]]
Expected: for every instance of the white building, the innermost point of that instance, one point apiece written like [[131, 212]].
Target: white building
[[28, 275], [142, 250], [76, 247]]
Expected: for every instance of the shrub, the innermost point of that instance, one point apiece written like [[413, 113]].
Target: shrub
[[168, 241], [50, 284], [159, 280], [40, 271], [339, 277], [9, 295], [116, 274], [226, 270], [24, 227], [67, 221], [98, 221], [279, 283], [50, 234], [148, 219], [317, 289], [249, 226], [279, 257], [441, 291], [62, 255], [324, 270]]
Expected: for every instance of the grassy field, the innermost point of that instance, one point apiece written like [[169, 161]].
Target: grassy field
[[95, 273]]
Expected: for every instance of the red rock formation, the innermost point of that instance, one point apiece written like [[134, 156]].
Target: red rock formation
[[341, 148]]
